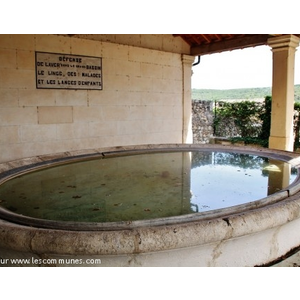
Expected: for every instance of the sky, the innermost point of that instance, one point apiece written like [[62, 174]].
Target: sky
[[246, 68]]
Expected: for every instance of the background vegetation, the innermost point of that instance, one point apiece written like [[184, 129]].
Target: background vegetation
[[251, 118], [232, 94]]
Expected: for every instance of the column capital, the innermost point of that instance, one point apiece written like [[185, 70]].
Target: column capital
[[283, 42], [187, 59]]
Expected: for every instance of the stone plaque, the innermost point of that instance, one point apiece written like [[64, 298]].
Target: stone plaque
[[66, 71]]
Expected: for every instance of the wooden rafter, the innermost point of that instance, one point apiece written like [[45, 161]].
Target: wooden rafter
[[230, 43], [206, 38]]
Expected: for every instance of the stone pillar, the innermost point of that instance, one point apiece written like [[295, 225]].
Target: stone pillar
[[283, 48], [187, 133]]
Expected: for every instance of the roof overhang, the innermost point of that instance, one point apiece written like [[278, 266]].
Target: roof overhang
[[202, 44]]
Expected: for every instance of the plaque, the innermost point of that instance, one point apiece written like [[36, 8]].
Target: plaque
[[66, 71]]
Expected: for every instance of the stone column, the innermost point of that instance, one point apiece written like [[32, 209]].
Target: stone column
[[283, 48], [187, 134]]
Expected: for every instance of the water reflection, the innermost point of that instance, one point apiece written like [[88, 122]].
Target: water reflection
[[220, 180], [145, 186]]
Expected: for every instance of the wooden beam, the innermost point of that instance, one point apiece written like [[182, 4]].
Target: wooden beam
[[250, 40]]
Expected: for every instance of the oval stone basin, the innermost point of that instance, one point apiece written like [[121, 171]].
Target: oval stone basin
[[152, 205]]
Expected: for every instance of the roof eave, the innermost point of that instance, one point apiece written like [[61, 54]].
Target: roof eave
[[250, 40]]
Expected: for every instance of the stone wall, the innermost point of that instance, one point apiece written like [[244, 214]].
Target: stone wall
[[202, 121], [141, 101]]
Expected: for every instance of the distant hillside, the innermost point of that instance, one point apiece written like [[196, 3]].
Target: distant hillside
[[232, 94]]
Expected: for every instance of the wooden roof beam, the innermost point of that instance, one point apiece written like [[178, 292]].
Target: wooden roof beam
[[206, 38], [232, 44]]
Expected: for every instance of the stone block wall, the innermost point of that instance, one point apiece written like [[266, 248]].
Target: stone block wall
[[141, 101]]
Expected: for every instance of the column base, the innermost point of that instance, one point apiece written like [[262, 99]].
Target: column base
[[281, 143]]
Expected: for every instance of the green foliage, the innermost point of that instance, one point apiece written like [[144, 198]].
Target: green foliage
[[265, 116], [253, 120], [297, 125], [245, 94], [297, 106], [297, 93], [250, 141], [244, 114]]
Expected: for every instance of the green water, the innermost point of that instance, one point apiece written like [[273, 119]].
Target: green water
[[139, 187]]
